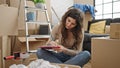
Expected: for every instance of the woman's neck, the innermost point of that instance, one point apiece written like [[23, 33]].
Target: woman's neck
[[69, 33]]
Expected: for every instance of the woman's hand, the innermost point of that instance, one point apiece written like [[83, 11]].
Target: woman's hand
[[52, 43], [60, 49]]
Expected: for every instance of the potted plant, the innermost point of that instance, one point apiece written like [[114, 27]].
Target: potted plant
[[39, 3]]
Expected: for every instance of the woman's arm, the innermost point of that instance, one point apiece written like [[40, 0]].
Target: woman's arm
[[54, 34]]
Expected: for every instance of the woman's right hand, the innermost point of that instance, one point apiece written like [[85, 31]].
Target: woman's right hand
[[52, 43]]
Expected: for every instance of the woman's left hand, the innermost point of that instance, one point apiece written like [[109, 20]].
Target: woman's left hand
[[60, 49]]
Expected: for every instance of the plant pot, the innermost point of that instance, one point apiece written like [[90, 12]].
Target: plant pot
[[40, 5]]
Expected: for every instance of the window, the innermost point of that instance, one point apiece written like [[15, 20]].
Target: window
[[107, 9]]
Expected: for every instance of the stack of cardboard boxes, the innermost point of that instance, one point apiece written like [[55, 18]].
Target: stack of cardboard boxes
[[8, 28], [12, 30], [105, 50]]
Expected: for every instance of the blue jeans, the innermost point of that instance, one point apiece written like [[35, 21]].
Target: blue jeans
[[79, 59]]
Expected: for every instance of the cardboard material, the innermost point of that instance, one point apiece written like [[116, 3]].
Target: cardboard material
[[0, 42], [0, 58], [115, 30], [25, 61], [23, 39], [107, 29], [67, 65], [5, 48], [0, 52], [33, 44], [8, 21], [105, 53], [88, 16], [91, 2], [21, 33], [2, 1], [11, 62], [19, 4]]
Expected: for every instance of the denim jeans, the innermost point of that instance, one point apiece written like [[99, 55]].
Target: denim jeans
[[79, 59]]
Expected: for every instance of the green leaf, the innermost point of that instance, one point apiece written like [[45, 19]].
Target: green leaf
[[39, 1]]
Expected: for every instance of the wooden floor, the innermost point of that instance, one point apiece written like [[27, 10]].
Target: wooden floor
[[88, 65]]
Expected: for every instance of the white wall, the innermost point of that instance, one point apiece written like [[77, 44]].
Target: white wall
[[60, 7]]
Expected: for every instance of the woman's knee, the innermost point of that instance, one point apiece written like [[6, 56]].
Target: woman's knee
[[86, 53], [40, 52], [85, 57]]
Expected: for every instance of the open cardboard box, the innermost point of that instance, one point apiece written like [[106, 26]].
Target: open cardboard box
[[11, 62]]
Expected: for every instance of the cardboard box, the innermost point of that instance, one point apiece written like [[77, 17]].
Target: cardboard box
[[115, 30], [91, 2], [5, 48], [34, 44], [8, 21], [0, 52], [67, 65], [0, 59], [2, 1], [107, 29], [25, 61], [21, 33], [88, 17], [11, 62], [105, 53]]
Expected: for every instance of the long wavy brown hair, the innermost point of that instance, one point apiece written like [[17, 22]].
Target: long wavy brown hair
[[76, 31]]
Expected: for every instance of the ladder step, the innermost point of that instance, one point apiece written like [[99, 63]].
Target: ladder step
[[38, 22], [23, 39], [38, 36], [32, 51], [34, 8]]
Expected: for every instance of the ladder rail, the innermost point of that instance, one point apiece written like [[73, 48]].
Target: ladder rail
[[47, 16], [26, 26]]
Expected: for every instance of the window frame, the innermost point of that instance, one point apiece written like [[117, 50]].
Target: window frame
[[105, 14]]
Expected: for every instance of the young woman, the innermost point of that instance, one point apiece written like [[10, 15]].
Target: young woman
[[68, 35]]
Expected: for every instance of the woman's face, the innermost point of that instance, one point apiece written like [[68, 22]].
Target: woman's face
[[70, 23]]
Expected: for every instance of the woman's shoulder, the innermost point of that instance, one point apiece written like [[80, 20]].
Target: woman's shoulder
[[56, 25], [56, 28]]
